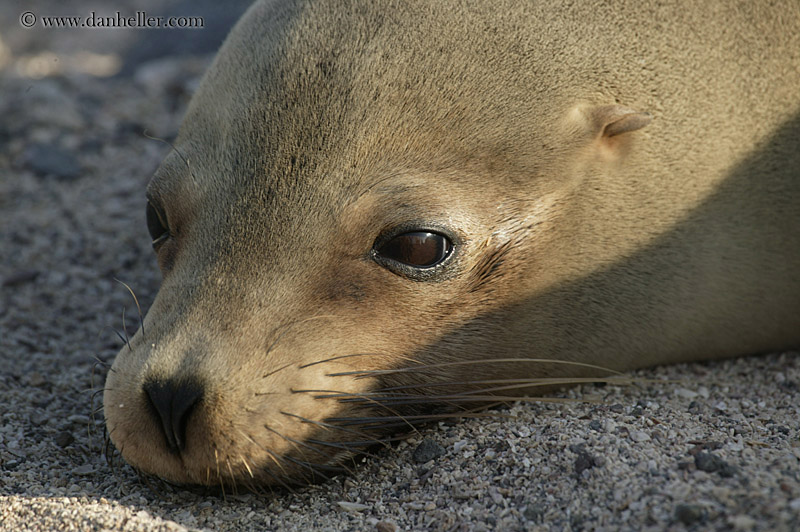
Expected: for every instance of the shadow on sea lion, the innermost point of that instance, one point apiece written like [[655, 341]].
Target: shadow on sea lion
[[649, 313], [375, 214]]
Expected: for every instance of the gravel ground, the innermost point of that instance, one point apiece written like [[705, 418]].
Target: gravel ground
[[690, 447]]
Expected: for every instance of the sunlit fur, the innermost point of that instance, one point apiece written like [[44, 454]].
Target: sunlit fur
[[621, 179]]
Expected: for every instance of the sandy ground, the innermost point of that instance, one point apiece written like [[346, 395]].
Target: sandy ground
[[691, 447]]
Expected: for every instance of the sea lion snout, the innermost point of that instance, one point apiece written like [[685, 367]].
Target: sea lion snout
[[199, 421]]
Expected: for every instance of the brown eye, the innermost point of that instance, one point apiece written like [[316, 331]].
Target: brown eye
[[419, 249], [155, 224]]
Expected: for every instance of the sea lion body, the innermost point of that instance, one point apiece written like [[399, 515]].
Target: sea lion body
[[610, 185]]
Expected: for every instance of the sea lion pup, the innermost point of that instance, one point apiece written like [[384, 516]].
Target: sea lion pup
[[378, 208]]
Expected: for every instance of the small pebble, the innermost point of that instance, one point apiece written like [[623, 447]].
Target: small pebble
[[689, 514], [36, 379], [64, 438], [86, 469], [712, 463], [352, 506], [427, 450], [742, 522], [686, 394], [534, 512], [583, 461]]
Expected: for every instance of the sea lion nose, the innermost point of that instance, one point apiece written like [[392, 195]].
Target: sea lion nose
[[172, 402]]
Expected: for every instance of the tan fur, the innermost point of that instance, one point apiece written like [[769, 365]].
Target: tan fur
[[623, 180]]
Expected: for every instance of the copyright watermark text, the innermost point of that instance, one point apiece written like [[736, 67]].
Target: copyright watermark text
[[139, 19]]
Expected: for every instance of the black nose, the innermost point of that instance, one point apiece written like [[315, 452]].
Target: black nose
[[172, 402]]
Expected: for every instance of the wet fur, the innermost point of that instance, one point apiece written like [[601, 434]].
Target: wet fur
[[582, 242]]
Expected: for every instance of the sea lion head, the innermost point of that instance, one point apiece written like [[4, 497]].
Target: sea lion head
[[358, 202]]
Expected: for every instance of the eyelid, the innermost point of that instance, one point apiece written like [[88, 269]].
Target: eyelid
[[412, 226]]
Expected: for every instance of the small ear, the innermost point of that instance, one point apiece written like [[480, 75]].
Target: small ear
[[613, 120]]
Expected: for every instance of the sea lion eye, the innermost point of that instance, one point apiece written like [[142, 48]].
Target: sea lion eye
[[156, 225], [420, 249]]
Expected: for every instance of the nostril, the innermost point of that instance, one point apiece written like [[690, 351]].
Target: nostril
[[173, 401]]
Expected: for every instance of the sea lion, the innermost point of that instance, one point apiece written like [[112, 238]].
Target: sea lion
[[375, 209]]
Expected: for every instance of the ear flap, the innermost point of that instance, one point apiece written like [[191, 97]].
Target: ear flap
[[613, 120]]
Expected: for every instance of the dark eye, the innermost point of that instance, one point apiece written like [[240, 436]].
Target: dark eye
[[156, 225], [419, 249]]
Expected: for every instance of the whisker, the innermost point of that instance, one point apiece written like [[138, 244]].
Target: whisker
[[374, 397], [279, 479], [184, 159], [346, 445], [301, 443], [274, 458], [385, 400], [99, 362], [234, 489], [390, 426], [258, 489], [92, 409], [421, 417], [145, 479], [222, 488], [364, 396], [136, 301], [219, 476], [426, 400], [119, 334], [334, 394], [340, 357], [95, 411], [493, 389], [246, 466], [544, 381], [314, 468], [400, 427], [422, 368], [108, 453], [125, 329], [277, 460], [96, 393], [390, 422], [295, 442], [336, 427], [276, 371]]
